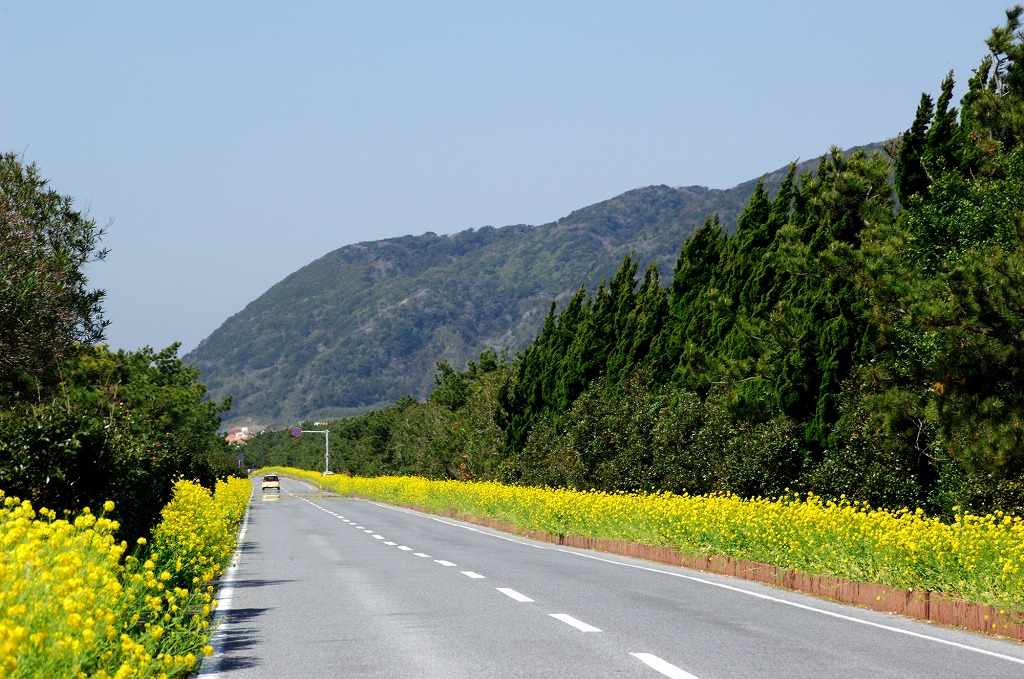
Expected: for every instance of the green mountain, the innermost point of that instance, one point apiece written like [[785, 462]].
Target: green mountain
[[366, 324]]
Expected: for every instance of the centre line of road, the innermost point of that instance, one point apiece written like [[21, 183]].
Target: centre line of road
[[666, 668], [454, 524], [812, 609], [653, 661], [578, 624], [511, 593]]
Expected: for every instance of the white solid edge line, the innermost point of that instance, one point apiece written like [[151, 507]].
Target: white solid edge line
[[210, 666], [666, 668], [511, 593], [805, 607], [578, 624]]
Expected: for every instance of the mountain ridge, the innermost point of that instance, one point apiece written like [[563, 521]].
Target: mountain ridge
[[365, 324]]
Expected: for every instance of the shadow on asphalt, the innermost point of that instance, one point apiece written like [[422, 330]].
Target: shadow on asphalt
[[245, 584], [235, 638], [248, 547]]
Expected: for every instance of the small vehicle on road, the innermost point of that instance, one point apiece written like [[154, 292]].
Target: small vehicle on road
[[271, 482]]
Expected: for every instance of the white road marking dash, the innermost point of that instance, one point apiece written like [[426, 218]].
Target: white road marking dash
[[514, 594], [666, 668], [578, 624]]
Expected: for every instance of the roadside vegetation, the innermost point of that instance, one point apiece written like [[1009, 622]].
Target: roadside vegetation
[[976, 558], [81, 424], [859, 334], [99, 450], [76, 604], [836, 386]]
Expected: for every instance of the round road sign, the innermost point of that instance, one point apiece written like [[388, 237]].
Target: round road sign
[[296, 432]]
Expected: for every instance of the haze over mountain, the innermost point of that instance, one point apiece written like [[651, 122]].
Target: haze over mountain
[[365, 325]]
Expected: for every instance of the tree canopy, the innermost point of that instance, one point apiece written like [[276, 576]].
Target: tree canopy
[[80, 424], [859, 333], [46, 305]]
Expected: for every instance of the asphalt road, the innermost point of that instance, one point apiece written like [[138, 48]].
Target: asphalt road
[[335, 587]]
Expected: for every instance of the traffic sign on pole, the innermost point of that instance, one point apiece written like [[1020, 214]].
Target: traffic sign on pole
[[296, 432]]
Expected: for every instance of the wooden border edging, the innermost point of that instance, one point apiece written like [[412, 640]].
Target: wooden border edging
[[920, 605]]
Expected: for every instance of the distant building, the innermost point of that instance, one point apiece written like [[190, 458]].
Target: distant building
[[239, 435]]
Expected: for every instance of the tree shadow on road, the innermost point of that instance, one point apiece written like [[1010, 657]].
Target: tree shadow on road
[[256, 582], [235, 637]]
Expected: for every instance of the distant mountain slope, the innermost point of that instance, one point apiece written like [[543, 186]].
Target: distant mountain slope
[[365, 324]]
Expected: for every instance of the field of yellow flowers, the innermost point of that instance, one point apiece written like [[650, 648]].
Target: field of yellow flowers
[[73, 605], [976, 558]]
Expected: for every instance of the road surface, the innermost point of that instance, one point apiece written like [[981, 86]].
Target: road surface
[[335, 587]]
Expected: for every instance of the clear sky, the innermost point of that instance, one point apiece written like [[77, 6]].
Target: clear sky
[[228, 143]]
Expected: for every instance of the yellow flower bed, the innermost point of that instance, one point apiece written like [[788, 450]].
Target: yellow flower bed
[[977, 558], [69, 606]]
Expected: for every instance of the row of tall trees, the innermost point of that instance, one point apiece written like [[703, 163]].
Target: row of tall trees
[[80, 424], [880, 319], [858, 333]]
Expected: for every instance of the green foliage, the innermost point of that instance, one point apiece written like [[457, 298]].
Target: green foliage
[[364, 325], [120, 425], [80, 425], [45, 303], [890, 343], [451, 435], [838, 341]]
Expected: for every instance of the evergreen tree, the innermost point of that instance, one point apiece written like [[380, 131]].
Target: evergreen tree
[[909, 173], [46, 306]]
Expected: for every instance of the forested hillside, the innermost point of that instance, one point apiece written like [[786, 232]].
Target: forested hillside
[[859, 333], [365, 325]]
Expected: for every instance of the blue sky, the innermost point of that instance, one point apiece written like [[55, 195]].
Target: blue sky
[[227, 144]]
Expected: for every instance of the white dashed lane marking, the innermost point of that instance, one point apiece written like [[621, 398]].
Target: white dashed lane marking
[[578, 624], [514, 595], [666, 668]]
